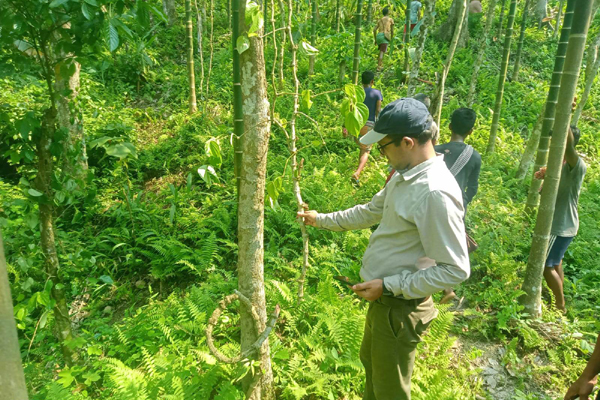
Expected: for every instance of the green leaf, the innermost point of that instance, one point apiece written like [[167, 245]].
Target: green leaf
[[35, 193], [306, 101], [360, 94], [43, 320], [253, 17], [87, 11], [99, 141], [91, 377], [56, 3], [206, 172], [172, 213], [120, 150], [352, 124], [350, 91], [345, 108], [364, 112], [111, 36], [213, 150], [66, 377], [91, 2], [106, 279], [94, 350], [242, 44]]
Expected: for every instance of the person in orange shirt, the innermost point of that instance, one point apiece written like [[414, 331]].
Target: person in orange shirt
[[383, 34]]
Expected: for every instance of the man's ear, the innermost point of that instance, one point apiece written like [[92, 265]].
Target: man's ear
[[409, 142]]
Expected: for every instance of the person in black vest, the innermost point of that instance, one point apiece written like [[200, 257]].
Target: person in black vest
[[463, 161]]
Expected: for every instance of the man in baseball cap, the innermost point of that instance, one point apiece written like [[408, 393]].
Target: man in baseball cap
[[420, 214]]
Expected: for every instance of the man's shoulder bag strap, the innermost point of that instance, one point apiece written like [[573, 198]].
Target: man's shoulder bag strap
[[462, 160]]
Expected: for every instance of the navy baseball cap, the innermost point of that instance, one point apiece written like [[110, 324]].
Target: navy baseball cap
[[403, 117]]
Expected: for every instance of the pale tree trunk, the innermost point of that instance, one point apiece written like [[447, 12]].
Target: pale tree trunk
[[541, 157], [190, 54], [66, 83], [238, 111], [446, 30], [501, 21], [541, 11], [12, 379], [358, 22], [211, 43], [591, 69], [200, 33], [558, 17], [438, 98], [283, 41], [428, 20], [170, 11], [406, 41], [530, 148], [255, 145], [342, 73], [502, 78], [297, 168], [517, 65], [313, 36], [489, 21], [532, 283], [43, 183]]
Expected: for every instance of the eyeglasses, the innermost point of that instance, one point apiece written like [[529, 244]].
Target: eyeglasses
[[383, 147]]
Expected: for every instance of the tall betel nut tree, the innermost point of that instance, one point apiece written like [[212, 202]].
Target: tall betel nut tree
[[358, 22], [255, 145], [532, 283]]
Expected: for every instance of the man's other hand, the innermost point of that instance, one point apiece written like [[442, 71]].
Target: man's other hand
[[309, 217], [541, 174], [371, 290], [581, 389]]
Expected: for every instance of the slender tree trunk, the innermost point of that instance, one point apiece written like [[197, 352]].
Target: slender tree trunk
[[502, 78], [515, 74], [66, 83], [540, 11], [12, 379], [541, 157], [296, 168], [200, 33], [313, 36], [342, 73], [255, 144], [370, 13], [438, 98], [43, 184], [190, 61], [406, 40], [211, 43], [446, 30], [358, 22], [338, 14], [530, 148], [501, 21], [591, 69], [428, 21], [238, 111], [489, 20], [169, 8], [568, 85], [283, 41], [558, 17]]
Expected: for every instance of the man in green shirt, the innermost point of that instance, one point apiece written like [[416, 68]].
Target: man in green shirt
[[566, 219]]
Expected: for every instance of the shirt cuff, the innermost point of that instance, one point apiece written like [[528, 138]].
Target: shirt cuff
[[394, 283]]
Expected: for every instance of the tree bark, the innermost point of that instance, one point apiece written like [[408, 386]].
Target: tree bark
[[370, 13], [338, 14], [12, 379], [517, 65], [238, 111], [406, 41], [169, 8], [541, 157], [489, 20], [313, 36], [342, 73], [541, 11], [283, 41], [502, 78], [255, 144], [190, 56], [568, 85], [43, 184], [438, 98], [358, 22], [199, 34], [591, 69], [66, 84], [446, 30], [530, 149]]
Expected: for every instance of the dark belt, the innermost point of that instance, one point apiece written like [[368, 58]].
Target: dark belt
[[396, 301]]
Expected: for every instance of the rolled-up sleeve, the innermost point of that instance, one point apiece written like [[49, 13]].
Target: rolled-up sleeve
[[358, 217], [439, 220]]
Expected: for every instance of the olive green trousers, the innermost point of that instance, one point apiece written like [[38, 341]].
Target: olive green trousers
[[392, 331]]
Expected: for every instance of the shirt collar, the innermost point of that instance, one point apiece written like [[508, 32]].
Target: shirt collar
[[407, 175]]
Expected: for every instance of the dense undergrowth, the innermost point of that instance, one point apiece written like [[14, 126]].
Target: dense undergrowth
[[148, 251]]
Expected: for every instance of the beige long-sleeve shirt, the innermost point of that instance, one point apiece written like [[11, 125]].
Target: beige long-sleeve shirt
[[420, 214]]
